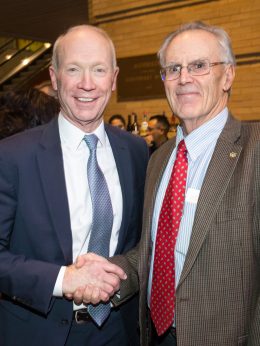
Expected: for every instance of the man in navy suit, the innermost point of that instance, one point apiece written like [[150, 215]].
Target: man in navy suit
[[46, 208]]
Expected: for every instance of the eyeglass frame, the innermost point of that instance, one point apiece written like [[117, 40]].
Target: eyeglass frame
[[180, 67], [150, 129]]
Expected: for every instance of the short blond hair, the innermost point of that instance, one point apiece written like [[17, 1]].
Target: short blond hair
[[56, 48]]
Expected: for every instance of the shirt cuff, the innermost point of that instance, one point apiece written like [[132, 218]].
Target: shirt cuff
[[57, 291]]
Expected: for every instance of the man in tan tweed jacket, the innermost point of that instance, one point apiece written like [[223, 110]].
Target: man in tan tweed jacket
[[217, 252]]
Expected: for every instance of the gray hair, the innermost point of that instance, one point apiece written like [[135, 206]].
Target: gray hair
[[56, 48], [220, 34]]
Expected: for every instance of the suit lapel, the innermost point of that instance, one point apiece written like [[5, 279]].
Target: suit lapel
[[123, 162], [219, 173], [52, 176]]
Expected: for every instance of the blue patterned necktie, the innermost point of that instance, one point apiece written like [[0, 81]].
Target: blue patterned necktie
[[102, 219]]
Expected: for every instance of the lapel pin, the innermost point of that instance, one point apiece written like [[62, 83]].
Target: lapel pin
[[233, 155]]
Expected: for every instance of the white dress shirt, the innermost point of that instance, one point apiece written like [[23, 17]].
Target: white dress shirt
[[75, 154]]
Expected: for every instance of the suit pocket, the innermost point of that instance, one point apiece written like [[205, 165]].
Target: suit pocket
[[242, 340], [14, 309], [225, 215]]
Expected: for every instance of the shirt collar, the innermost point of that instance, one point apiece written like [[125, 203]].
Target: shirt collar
[[199, 139], [72, 136]]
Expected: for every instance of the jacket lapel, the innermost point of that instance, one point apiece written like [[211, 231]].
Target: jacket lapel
[[156, 168], [52, 176], [219, 173], [123, 162]]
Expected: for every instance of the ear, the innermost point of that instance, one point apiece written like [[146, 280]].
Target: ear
[[53, 77], [115, 78], [229, 77]]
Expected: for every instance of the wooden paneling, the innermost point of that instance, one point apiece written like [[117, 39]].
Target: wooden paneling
[[139, 27]]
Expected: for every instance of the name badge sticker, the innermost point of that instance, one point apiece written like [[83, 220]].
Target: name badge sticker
[[192, 196]]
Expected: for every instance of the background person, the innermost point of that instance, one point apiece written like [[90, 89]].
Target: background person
[[158, 128], [118, 121], [198, 258], [70, 187], [22, 110]]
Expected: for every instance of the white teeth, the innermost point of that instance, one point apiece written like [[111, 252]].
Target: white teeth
[[85, 99]]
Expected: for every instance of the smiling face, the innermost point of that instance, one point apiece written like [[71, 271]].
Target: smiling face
[[85, 77], [197, 99]]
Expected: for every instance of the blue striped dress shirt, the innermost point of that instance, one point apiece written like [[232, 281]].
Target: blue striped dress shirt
[[200, 144]]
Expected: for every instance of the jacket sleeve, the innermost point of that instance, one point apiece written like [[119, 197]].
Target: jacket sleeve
[[130, 286], [23, 279], [254, 330]]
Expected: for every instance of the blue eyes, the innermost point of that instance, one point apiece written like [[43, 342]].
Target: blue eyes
[[95, 71]]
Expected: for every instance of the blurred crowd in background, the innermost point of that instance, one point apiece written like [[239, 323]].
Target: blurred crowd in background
[[156, 130], [21, 110]]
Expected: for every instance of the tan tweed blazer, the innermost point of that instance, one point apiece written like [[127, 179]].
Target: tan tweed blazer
[[217, 298]]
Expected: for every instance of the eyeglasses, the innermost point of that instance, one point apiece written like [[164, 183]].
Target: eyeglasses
[[195, 68]]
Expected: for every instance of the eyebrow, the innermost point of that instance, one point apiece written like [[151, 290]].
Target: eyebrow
[[178, 63]]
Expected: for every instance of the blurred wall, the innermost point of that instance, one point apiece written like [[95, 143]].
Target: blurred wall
[[41, 20], [138, 27]]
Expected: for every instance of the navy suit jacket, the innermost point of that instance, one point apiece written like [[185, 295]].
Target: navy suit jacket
[[35, 232]]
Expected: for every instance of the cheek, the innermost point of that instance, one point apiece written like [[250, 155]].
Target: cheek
[[66, 92], [67, 83], [106, 86], [170, 95], [214, 90], [211, 94], [106, 91]]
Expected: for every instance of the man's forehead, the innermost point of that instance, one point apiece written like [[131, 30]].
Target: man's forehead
[[198, 34], [82, 39], [152, 123], [194, 44], [73, 50]]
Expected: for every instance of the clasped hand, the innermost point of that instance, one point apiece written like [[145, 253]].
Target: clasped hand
[[92, 279]]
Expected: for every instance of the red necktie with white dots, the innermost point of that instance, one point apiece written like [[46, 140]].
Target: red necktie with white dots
[[163, 283]]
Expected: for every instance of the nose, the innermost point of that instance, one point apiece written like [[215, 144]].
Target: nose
[[86, 81], [185, 76]]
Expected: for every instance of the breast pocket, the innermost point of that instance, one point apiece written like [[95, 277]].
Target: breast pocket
[[228, 214]]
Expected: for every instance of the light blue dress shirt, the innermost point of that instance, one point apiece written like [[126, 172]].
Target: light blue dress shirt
[[200, 144]]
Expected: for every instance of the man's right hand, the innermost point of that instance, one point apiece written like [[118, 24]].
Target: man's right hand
[[92, 279]]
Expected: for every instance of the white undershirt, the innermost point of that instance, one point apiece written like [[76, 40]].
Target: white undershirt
[[75, 157]]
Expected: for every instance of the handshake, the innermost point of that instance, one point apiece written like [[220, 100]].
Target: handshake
[[92, 279]]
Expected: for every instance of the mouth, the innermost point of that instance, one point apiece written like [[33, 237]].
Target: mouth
[[186, 92], [187, 95], [85, 99]]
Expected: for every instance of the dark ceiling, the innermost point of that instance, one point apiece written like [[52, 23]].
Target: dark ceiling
[[41, 20]]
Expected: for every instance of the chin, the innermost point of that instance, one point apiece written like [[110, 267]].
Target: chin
[[187, 115], [189, 112]]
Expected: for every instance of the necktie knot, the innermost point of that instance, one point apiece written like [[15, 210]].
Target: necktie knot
[[91, 141], [182, 147], [181, 152]]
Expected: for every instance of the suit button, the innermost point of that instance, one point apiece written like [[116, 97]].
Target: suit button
[[64, 321]]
